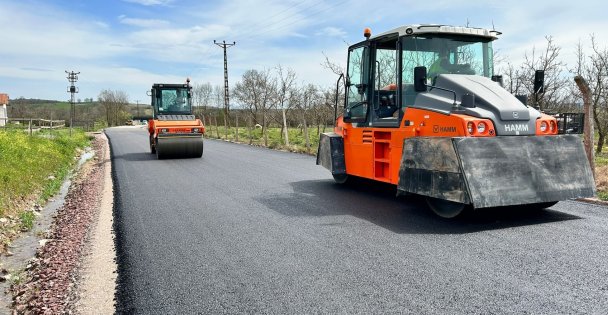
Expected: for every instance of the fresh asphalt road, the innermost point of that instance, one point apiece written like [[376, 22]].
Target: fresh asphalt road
[[250, 230]]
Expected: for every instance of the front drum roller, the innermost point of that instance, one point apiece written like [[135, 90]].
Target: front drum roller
[[179, 147]]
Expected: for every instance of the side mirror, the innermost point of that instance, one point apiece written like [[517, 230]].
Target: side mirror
[[361, 88], [539, 81], [498, 79], [523, 99], [420, 79], [468, 100]]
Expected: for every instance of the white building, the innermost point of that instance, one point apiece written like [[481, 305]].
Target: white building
[[3, 111]]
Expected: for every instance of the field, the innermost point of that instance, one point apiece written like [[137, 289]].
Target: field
[[297, 141]]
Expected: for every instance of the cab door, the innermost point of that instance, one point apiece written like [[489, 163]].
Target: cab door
[[357, 135]]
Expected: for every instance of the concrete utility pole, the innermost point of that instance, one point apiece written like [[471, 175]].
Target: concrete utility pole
[[226, 96], [72, 89], [588, 131]]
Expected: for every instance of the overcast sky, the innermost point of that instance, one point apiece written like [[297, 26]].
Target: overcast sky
[[130, 44]]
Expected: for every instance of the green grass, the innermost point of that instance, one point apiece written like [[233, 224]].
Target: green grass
[[601, 159], [297, 141], [27, 220], [29, 161]]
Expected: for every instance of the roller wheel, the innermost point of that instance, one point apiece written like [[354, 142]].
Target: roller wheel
[[445, 208], [199, 154], [341, 178], [159, 154], [152, 146]]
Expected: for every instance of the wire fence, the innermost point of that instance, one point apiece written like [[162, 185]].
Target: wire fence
[[31, 125]]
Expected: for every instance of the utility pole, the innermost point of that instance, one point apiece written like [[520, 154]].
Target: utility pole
[[588, 130], [226, 97], [72, 89], [137, 108]]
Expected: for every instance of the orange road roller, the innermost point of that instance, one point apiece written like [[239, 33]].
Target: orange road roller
[[174, 132], [425, 112]]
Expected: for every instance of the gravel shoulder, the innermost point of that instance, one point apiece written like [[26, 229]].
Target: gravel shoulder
[[97, 283], [58, 279]]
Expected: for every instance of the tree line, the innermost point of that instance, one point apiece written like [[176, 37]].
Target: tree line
[[276, 98]]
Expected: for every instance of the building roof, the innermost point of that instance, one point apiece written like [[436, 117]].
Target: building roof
[[4, 99]]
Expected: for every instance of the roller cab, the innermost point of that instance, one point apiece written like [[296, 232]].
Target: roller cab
[[174, 132], [424, 111]]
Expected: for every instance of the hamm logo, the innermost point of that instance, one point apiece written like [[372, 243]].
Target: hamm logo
[[438, 129], [516, 127]]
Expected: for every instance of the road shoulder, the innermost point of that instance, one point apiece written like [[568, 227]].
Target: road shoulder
[[97, 276]]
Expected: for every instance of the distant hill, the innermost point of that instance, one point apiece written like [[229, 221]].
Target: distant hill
[[84, 111]]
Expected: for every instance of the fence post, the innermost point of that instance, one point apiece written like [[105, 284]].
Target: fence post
[[30, 126]]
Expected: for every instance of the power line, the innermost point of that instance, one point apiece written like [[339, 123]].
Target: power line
[[276, 27], [255, 30]]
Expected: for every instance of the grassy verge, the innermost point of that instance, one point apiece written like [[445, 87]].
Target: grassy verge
[[601, 175], [297, 140], [33, 169]]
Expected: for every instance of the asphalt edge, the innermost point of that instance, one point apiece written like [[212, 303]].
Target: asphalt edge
[[123, 303]]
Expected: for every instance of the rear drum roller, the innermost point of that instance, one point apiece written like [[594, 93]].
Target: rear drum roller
[[445, 208]]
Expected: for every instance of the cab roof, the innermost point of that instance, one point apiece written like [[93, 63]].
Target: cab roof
[[419, 29]]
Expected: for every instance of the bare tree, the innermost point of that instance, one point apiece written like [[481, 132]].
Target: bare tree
[[286, 83], [512, 82], [256, 92], [115, 106], [201, 95], [306, 100], [555, 89], [332, 66]]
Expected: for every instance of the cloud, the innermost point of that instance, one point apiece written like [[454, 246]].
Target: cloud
[[150, 2], [146, 23], [144, 46], [331, 31], [36, 69]]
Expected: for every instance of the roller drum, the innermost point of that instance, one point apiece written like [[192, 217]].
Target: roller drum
[[179, 147]]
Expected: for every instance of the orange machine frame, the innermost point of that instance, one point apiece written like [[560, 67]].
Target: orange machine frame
[[375, 152]]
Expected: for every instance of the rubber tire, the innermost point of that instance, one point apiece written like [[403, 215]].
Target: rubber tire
[[340, 178], [445, 208], [152, 146]]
